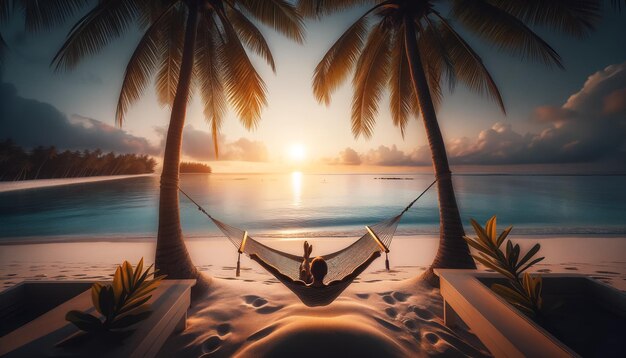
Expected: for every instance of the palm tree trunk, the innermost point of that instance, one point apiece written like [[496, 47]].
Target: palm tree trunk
[[172, 257], [453, 251]]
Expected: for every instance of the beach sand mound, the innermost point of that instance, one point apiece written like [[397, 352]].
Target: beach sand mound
[[370, 319], [344, 336]]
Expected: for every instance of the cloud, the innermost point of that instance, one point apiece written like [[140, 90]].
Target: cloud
[[30, 123], [198, 145], [589, 127]]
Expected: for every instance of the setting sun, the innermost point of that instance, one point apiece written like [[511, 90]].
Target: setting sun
[[297, 152]]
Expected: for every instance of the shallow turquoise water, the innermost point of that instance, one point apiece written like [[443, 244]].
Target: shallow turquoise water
[[318, 205]]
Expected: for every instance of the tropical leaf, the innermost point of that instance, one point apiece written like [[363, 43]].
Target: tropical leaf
[[245, 89], [141, 66], [277, 14], [577, 18], [504, 30], [170, 54], [528, 255], [208, 77], [42, 15], [338, 61], [401, 93], [526, 291], [84, 321], [369, 80], [104, 23], [250, 35], [531, 264], [123, 303]]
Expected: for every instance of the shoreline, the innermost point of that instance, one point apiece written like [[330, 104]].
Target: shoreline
[[48, 183], [147, 238]]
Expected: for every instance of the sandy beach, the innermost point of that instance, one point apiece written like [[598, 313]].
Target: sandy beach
[[384, 313], [44, 183]]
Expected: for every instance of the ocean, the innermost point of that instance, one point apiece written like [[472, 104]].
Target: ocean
[[316, 205]]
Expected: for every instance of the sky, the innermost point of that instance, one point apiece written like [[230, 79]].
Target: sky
[[571, 120]]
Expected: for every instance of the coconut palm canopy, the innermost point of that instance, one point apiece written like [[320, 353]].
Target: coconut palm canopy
[[186, 46], [413, 48], [222, 73]]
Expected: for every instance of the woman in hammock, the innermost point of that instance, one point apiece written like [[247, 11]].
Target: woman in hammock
[[319, 269]]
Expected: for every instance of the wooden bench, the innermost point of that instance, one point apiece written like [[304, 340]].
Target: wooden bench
[[41, 336], [501, 328]]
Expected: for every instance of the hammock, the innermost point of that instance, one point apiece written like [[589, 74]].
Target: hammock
[[343, 265]]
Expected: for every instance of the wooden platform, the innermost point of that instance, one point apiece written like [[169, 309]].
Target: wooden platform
[[502, 329], [41, 336]]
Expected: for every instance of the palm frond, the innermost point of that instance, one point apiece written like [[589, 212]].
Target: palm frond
[[208, 78], [171, 52], [369, 81], [334, 67], [468, 66], [42, 15], [107, 21], [250, 35], [504, 30], [401, 94], [317, 8], [280, 15], [577, 18], [244, 87], [141, 66]]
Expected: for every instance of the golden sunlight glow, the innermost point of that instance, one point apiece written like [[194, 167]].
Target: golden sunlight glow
[[297, 152]]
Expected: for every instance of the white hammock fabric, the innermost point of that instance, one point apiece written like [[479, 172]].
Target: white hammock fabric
[[342, 263]]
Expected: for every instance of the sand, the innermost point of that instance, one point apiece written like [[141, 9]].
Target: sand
[[44, 183], [381, 314]]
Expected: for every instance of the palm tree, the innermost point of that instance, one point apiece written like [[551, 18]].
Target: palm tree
[[186, 44], [411, 48]]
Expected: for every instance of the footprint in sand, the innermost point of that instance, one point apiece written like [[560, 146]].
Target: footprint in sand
[[390, 300], [571, 268], [431, 337], [410, 324], [544, 270], [254, 300], [363, 296], [211, 344], [423, 313], [262, 333], [269, 309], [260, 304], [223, 329], [390, 326], [391, 312], [608, 272], [401, 296]]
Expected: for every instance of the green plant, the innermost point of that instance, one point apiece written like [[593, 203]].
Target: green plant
[[523, 292], [122, 303]]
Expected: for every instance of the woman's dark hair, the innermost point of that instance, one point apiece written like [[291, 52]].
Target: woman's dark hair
[[319, 268]]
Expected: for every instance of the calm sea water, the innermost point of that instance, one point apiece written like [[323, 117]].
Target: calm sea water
[[317, 205]]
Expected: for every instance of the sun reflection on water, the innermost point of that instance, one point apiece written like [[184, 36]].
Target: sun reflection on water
[[296, 188]]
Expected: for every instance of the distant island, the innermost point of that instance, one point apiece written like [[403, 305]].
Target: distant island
[[17, 163], [192, 167]]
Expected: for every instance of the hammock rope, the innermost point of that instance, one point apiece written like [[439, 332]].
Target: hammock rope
[[341, 263]]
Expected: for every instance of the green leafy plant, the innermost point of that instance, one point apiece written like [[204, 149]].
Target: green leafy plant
[[122, 303], [524, 290]]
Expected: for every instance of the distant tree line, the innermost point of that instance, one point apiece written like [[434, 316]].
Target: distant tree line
[[16, 163], [190, 167]]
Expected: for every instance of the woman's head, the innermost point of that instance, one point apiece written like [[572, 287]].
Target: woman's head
[[319, 268]]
